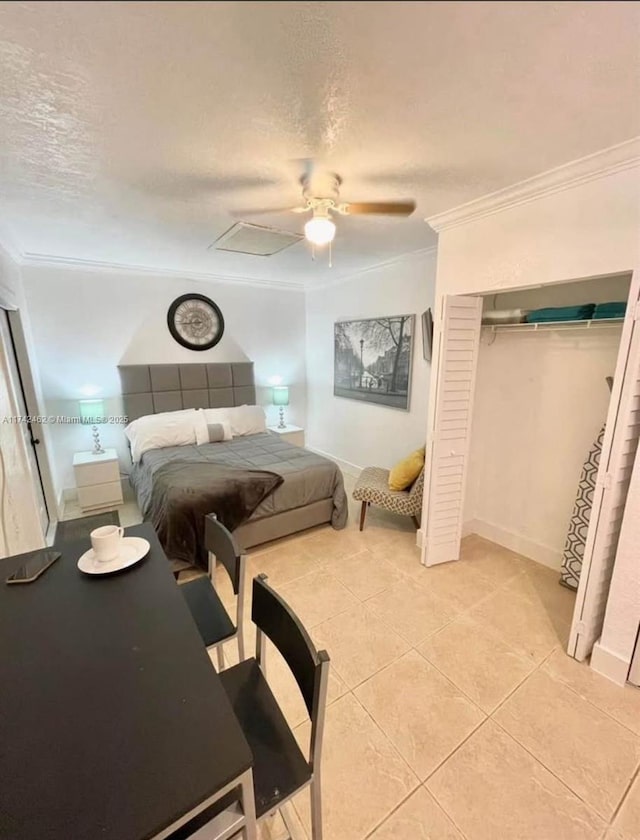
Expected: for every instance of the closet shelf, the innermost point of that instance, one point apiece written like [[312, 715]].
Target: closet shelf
[[591, 324]]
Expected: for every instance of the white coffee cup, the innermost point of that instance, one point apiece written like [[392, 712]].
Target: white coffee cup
[[105, 542]]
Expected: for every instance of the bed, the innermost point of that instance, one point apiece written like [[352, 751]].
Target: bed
[[312, 492]]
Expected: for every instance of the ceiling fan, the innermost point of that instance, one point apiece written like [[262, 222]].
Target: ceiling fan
[[321, 193]]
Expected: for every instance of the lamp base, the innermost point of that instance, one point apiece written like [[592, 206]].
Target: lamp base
[[282, 424], [97, 447]]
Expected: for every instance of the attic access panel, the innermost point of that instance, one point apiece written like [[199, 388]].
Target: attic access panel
[[256, 240]]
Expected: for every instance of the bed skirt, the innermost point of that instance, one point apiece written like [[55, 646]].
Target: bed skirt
[[258, 531]]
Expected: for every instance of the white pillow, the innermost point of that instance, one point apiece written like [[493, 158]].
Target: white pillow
[[201, 428], [247, 420], [217, 415], [244, 419], [171, 428]]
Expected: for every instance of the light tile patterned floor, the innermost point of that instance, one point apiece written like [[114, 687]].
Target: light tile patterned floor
[[454, 713]]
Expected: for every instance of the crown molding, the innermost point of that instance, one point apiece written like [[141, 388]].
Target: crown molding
[[31, 259], [345, 278], [36, 260], [598, 165]]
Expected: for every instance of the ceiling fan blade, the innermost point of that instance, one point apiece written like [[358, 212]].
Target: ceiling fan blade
[[380, 208], [264, 211]]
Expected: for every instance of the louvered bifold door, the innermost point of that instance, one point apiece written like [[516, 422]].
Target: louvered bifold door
[[448, 444], [616, 463]]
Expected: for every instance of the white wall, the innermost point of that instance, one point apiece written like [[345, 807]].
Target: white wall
[[360, 434], [540, 401], [586, 230], [86, 323], [10, 282], [589, 229], [598, 290]]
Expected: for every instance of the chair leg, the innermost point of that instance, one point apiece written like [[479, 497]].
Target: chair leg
[[250, 831], [363, 514], [416, 522], [220, 654], [316, 808], [241, 643]]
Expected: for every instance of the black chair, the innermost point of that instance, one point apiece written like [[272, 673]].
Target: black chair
[[230, 817], [280, 769], [208, 611]]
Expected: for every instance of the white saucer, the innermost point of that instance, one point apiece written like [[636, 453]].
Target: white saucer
[[132, 550]]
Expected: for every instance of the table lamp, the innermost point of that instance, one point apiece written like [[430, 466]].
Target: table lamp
[[281, 398], [92, 411]]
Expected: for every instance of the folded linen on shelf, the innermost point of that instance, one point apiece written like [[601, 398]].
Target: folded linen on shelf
[[504, 316], [561, 313], [613, 309]]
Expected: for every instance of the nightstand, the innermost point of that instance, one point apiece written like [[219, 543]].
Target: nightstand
[[292, 434], [98, 479]]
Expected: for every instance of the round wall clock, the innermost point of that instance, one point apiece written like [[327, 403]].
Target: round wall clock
[[195, 322]]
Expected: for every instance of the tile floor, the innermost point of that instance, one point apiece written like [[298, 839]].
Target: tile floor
[[453, 710], [129, 512]]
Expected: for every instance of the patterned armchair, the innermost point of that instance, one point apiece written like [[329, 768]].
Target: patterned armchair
[[372, 488]]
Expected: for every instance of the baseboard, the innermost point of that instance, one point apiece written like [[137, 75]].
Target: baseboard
[[419, 537], [543, 554], [346, 466], [468, 528], [609, 664]]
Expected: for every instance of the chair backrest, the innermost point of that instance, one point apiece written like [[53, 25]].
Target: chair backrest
[[221, 542], [417, 489], [310, 668]]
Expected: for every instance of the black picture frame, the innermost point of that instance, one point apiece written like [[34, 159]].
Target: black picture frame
[[181, 339]]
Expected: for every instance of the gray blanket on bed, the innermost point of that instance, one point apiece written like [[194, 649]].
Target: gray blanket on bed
[[185, 492], [308, 477]]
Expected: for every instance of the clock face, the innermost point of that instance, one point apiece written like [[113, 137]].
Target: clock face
[[195, 322]]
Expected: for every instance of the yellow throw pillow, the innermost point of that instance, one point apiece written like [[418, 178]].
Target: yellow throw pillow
[[406, 471]]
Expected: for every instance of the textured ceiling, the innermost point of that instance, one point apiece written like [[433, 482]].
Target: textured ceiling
[[130, 132]]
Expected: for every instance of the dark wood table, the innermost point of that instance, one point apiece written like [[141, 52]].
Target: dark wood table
[[113, 722]]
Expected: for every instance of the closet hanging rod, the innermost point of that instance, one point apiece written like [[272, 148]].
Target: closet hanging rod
[[555, 325]]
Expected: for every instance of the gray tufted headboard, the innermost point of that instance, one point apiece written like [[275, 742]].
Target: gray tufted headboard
[[151, 389]]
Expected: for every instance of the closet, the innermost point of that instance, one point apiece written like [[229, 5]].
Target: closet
[[535, 432], [541, 402]]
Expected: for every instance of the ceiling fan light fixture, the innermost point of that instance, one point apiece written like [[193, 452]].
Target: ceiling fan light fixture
[[320, 230]]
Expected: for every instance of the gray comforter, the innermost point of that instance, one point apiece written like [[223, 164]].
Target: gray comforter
[[307, 477], [184, 493]]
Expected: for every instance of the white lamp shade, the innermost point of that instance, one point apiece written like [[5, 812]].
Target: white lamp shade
[[320, 230]]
